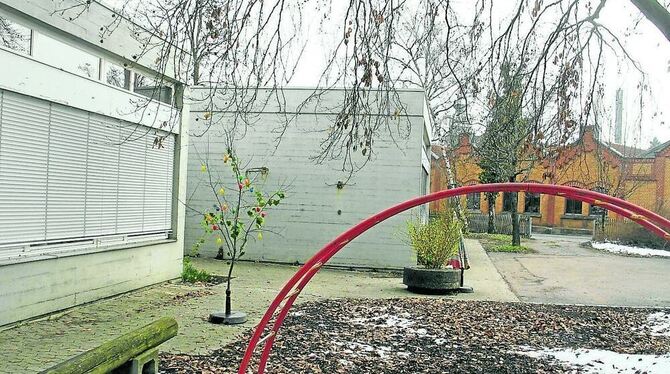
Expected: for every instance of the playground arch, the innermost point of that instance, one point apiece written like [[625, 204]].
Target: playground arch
[[273, 318]]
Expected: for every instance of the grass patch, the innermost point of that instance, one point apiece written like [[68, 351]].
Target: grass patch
[[499, 243], [510, 248], [191, 275]]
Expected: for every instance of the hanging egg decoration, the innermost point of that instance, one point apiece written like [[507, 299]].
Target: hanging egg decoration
[[203, 168], [215, 227], [219, 241], [226, 157], [240, 185], [263, 214], [222, 191], [260, 236], [224, 207], [247, 182]]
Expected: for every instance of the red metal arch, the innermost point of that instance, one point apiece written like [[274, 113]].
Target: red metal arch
[[284, 300]]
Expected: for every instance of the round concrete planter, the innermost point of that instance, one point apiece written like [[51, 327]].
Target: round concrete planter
[[421, 280]]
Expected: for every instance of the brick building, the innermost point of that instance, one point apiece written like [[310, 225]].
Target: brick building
[[640, 176]]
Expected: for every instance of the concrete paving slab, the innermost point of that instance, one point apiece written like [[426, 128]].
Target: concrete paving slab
[[562, 271], [36, 345]]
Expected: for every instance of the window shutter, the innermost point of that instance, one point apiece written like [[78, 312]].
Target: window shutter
[[66, 187], [24, 138], [158, 184], [102, 175], [131, 178], [72, 180]]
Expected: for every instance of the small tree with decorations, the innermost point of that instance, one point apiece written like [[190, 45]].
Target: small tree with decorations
[[238, 214]]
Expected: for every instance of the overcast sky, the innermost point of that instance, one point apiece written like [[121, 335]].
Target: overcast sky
[[641, 38]]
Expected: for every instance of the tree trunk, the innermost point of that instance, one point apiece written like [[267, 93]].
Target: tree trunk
[[516, 232], [491, 202], [655, 13]]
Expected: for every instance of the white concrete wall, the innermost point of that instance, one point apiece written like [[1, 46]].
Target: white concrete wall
[[308, 218], [34, 78], [31, 287], [34, 287], [120, 37]]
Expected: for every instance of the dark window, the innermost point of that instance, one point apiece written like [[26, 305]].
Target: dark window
[[153, 89], [473, 201], [507, 202], [14, 36], [117, 75], [532, 203], [573, 206]]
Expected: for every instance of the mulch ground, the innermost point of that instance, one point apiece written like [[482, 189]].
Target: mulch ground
[[434, 336]]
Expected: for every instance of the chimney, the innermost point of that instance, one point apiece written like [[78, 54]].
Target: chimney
[[618, 119]]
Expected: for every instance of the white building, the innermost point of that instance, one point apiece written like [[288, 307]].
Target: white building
[[315, 210], [90, 169]]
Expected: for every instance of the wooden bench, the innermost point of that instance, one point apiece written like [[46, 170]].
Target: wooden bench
[[133, 353]]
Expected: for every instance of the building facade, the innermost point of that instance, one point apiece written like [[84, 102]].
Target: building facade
[[91, 167], [321, 201], [642, 177]]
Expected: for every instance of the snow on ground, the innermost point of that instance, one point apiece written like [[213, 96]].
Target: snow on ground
[[602, 361], [630, 250], [659, 324], [387, 320]]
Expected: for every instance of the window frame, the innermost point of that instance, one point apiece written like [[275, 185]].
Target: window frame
[[31, 36], [530, 196], [473, 201], [572, 203]]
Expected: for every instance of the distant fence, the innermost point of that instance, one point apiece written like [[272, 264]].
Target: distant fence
[[478, 222], [625, 231]]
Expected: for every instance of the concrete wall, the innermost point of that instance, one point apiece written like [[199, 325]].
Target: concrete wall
[[97, 27], [308, 218], [33, 286]]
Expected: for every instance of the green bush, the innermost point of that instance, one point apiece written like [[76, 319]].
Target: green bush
[[436, 241], [191, 275]]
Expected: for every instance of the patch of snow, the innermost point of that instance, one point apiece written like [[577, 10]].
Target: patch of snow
[[440, 341], [387, 320], [297, 314], [603, 361], [421, 331], [659, 324], [629, 250]]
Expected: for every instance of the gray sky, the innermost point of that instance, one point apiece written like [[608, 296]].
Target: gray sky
[[641, 39]]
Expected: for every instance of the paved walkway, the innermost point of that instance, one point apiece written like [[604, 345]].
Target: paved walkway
[[564, 272], [37, 345]]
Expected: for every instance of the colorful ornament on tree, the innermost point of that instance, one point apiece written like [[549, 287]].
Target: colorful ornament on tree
[[240, 185], [222, 191], [215, 227], [226, 157], [224, 207], [219, 241], [263, 214], [203, 168], [247, 182], [260, 236]]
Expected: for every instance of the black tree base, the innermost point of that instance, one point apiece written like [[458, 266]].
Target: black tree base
[[232, 318]]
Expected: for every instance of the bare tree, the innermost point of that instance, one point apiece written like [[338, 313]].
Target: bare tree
[[238, 46]]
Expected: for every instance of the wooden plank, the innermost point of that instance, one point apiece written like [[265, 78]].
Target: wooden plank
[[115, 353]]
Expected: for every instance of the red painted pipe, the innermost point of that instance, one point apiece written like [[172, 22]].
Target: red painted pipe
[[650, 220]]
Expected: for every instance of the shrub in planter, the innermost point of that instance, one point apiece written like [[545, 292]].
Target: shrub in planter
[[434, 242]]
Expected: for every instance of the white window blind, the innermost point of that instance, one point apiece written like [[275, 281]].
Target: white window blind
[[68, 176]]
